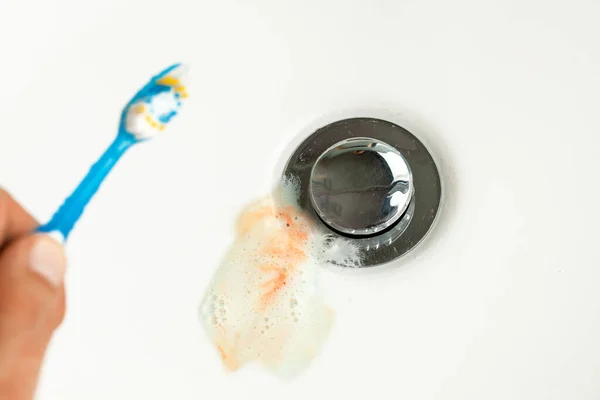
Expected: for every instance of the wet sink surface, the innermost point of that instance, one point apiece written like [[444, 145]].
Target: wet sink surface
[[500, 302]]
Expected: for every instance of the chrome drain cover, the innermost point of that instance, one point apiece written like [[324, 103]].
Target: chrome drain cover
[[371, 181], [360, 186]]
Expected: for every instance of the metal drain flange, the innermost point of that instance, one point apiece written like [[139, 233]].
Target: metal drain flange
[[371, 181]]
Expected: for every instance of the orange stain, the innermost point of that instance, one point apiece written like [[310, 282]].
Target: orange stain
[[253, 215], [275, 241], [277, 278], [222, 352], [285, 247], [227, 351]]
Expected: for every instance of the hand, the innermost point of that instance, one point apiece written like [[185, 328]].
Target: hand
[[32, 298]]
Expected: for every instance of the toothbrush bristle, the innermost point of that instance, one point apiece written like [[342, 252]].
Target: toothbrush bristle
[[157, 103]]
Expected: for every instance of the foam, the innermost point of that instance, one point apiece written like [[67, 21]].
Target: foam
[[264, 303], [151, 112]]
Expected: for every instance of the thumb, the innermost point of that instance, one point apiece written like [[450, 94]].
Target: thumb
[[32, 305]]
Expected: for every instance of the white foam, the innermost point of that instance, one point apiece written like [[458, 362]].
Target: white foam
[[144, 117], [146, 124], [264, 303]]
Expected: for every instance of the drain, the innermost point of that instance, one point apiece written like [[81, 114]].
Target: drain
[[369, 180], [360, 187]]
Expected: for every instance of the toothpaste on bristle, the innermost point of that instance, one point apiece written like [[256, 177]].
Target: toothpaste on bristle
[[264, 303], [149, 115]]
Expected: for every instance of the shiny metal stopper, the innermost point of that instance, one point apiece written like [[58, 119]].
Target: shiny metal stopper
[[370, 181], [361, 186]]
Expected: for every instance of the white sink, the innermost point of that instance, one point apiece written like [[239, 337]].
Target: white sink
[[500, 302]]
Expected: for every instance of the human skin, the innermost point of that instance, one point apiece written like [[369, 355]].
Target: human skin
[[32, 298]]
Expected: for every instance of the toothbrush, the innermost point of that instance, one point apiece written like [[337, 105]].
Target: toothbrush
[[146, 115]]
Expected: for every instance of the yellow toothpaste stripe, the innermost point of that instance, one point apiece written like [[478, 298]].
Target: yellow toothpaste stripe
[[174, 83]]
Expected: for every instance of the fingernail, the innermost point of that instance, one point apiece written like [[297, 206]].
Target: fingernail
[[47, 259]]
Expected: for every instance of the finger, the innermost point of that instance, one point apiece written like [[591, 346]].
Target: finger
[[14, 220], [31, 307]]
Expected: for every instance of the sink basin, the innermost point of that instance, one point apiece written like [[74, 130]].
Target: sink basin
[[500, 300]]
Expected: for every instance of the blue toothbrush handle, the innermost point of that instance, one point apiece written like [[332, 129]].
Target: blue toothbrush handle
[[68, 214]]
